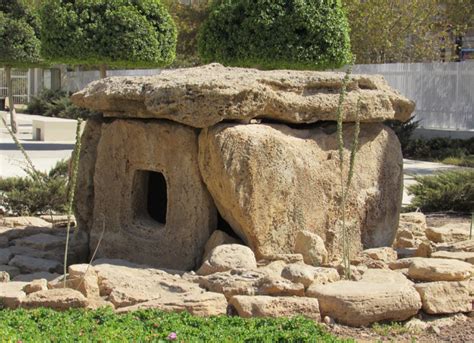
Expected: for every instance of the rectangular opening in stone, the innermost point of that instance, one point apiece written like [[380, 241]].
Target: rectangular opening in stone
[[150, 196]]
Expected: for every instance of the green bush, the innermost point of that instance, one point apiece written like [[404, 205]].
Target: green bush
[[116, 33], [404, 131], [43, 325], [39, 104], [448, 191], [272, 34], [30, 196]]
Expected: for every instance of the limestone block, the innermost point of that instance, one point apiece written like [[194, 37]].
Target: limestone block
[[454, 232], [227, 257], [465, 256], [11, 294], [438, 269], [149, 196], [14, 222], [60, 299], [360, 303], [307, 275], [275, 307], [384, 254], [278, 286], [270, 181], [444, 297], [312, 247], [206, 95], [217, 238], [36, 286]]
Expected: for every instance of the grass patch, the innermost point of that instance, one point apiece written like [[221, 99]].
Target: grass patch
[[466, 161], [390, 329], [104, 325]]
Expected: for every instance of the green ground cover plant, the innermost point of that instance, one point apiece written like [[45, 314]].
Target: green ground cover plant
[[276, 34], [447, 191], [104, 325]]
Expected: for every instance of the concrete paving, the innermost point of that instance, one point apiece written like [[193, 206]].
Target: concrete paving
[[46, 154]]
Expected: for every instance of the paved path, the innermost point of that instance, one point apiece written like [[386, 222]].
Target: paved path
[[45, 155]]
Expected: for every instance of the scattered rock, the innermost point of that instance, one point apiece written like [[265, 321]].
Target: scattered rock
[[384, 254], [279, 287], [36, 286], [14, 222], [5, 255], [404, 262], [444, 297], [28, 264], [60, 299], [286, 258], [311, 246], [360, 303], [448, 233], [307, 275], [457, 246], [355, 271], [11, 294], [424, 249], [227, 257], [291, 171], [59, 220], [4, 277], [273, 269], [275, 307], [437, 269], [82, 278], [205, 95], [384, 276], [217, 238], [455, 255]]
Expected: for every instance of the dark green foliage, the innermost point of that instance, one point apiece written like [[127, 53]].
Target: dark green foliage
[[116, 33], [439, 149], [57, 104], [448, 191], [104, 325], [29, 196], [271, 34], [404, 131], [19, 28]]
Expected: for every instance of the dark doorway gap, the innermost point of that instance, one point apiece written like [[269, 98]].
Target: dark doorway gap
[[157, 196]]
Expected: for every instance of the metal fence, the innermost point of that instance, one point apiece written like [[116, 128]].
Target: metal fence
[[443, 92], [20, 83]]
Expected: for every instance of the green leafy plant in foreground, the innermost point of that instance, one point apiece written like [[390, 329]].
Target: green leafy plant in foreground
[[152, 325], [447, 191]]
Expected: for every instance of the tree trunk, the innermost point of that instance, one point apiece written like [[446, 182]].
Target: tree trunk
[[103, 71], [11, 104]]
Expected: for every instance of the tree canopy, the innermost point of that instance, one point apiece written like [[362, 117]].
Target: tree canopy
[[116, 33], [270, 34]]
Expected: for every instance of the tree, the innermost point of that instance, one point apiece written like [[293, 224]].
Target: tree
[[19, 43], [269, 34], [388, 31], [114, 33]]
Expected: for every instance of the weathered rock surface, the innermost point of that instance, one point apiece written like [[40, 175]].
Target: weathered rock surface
[[465, 256], [4, 277], [312, 247], [360, 303], [206, 95], [60, 299], [217, 238], [404, 262], [227, 257], [437, 269], [384, 254], [307, 275], [36, 286], [13, 222], [271, 181], [176, 238], [448, 233], [445, 297], [11, 294], [82, 278], [384, 276], [266, 306], [467, 246], [28, 264], [411, 230]]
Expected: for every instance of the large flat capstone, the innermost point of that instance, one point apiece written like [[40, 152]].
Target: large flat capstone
[[206, 95]]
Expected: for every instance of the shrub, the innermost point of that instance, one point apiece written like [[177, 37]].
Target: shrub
[[30, 196], [448, 191], [39, 104], [404, 131], [271, 34], [116, 33], [439, 149]]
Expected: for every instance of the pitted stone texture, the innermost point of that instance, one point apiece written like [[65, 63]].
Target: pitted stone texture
[[60, 299], [206, 95], [307, 275], [384, 254], [128, 149], [36, 286], [360, 303], [270, 181], [438, 269], [453, 232], [445, 297], [227, 257], [275, 307], [84, 196], [312, 247]]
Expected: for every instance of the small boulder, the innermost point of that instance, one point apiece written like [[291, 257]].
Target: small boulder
[[425, 249], [58, 299], [11, 294], [447, 233], [438, 269], [275, 307], [307, 275], [312, 247], [15, 222], [227, 257], [279, 287], [36, 286], [444, 297], [384, 276], [360, 303], [217, 238], [384, 254], [464, 256], [4, 277]]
